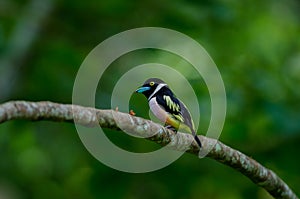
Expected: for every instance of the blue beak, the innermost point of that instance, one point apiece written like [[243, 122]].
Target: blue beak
[[142, 89]]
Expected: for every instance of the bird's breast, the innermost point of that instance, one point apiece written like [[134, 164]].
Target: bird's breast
[[157, 110]]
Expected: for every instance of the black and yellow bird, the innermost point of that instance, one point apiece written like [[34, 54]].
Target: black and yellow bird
[[167, 107]]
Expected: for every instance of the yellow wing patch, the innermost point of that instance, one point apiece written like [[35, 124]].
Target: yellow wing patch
[[178, 124], [179, 117], [172, 105]]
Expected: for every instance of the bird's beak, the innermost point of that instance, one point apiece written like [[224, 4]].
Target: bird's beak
[[142, 89]]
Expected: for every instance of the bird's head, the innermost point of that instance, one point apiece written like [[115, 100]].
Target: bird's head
[[151, 86]]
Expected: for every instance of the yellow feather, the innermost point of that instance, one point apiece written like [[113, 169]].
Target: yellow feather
[[178, 124], [179, 117], [172, 105]]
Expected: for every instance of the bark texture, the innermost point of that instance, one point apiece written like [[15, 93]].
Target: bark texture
[[91, 117]]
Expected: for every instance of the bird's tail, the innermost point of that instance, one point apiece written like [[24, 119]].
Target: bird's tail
[[197, 139]]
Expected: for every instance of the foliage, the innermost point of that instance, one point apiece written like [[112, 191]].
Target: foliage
[[255, 45]]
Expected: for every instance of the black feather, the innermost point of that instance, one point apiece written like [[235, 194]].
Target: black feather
[[170, 103], [183, 111]]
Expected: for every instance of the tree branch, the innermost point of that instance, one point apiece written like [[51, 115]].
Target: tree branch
[[138, 126]]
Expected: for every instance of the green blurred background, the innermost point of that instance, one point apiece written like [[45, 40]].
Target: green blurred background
[[255, 44]]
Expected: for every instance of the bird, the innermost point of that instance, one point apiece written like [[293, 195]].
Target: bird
[[167, 107]]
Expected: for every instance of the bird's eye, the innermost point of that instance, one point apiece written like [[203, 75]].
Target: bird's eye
[[151, 83]]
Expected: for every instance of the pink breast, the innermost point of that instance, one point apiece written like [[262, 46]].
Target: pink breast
[[157, 110]]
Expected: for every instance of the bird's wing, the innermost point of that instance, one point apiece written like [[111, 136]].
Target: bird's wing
[[189, 122], [187, 116], [171, 105], [180, 112]]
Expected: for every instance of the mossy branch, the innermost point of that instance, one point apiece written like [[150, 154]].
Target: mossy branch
[[91, 117]]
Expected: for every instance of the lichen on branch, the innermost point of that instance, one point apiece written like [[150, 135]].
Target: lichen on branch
[[92, 117]]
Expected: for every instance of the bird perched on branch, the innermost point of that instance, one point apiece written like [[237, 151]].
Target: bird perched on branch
[[167, 108]]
